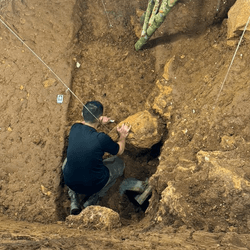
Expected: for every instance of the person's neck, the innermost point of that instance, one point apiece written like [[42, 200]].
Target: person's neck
[[93, 125]]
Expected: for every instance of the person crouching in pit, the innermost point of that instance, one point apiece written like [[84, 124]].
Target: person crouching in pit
[[84, 170]]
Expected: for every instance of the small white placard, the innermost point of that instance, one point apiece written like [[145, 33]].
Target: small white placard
[[60, 99]]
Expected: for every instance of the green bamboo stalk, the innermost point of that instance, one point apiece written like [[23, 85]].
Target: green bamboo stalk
[[147, 16], [159, 18], [154, 12]]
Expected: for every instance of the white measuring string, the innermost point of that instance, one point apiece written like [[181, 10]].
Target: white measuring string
[[68, 89], [218, 5], [107, 14], [223, 83]]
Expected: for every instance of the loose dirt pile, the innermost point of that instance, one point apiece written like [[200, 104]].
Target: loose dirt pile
[[200, 177]]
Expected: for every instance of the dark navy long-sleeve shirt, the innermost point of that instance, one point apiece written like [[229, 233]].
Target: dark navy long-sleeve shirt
[[85, 172]]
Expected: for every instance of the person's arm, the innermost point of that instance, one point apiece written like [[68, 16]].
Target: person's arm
[[123, 132], [121, 142]]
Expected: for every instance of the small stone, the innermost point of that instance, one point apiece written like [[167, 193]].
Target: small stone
[[167, 68], [184, 131], [49, 82], [44, 191], [22, 21]]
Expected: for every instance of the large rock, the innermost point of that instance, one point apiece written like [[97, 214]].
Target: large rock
[[213, 194], [145, 130], [95, 217], [237, 19]]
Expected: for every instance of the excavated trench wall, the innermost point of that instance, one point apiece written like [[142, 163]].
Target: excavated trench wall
[[33, 126], [202, 180]]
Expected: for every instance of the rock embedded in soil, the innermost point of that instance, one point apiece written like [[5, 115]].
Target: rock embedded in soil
[[237, 19], [214, 195], [145, 130], [95, 217], [162, 103], [167, 69]]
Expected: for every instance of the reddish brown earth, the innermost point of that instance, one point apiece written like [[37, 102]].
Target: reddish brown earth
[[34, 128]]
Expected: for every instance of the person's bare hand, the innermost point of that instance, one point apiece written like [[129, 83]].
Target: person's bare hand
[[123, 130], [104, 119]]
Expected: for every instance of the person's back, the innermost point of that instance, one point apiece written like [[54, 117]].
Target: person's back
[[85, 172]]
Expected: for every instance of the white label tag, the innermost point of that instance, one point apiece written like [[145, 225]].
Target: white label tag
[[60, 99]]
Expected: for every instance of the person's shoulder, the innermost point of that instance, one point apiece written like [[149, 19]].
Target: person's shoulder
[[77, 125]]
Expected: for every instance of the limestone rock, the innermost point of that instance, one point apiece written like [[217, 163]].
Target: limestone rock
[[95, 217], [213, 195], [171, 203], [167, 68], [145, 130], [237, 18], [162, 103]]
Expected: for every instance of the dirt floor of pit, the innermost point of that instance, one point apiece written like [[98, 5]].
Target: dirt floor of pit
[[112, 72], [24, 235]]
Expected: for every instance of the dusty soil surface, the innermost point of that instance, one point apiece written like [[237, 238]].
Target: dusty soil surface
[[24, 235], [34, 127], [33, 124]]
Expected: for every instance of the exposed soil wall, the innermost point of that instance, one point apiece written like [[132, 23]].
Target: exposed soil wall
[[33, 124], [200, 179], [207, 151]]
